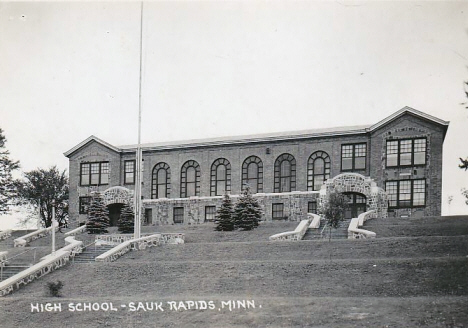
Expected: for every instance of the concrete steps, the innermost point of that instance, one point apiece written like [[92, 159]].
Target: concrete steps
[[90, 253], [340, 233], [11, 269]]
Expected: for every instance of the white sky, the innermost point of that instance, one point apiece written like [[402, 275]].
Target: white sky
[[70, 70]]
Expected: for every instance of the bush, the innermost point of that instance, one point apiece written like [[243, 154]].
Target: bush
[[224, 216], [54, 288], [127, 217], [98, 215], [247, 212], [333, 208]]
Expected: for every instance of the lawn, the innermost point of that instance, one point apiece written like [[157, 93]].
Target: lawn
[[392, 281]]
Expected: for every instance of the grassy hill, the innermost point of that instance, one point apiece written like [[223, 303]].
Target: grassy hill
[[415, 274]]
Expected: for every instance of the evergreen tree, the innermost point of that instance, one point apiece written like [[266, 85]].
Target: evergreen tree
[[7, 186], [98, 215], [127, 218], [247, 211], [224, 216]]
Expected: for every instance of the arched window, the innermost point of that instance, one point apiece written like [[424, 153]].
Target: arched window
[[161, 181], [190, 179], [318, 170], [252, 174], [285, 173], [220, 177]]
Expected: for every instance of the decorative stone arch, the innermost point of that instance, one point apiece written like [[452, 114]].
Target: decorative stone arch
[[118, 195], [376, 198]]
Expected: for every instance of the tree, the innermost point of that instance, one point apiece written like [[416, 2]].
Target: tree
[[7, 185], [98, 215], [224, 216], [127, 218], [464, 163], [42, 189], [247, 211], [333, 209]]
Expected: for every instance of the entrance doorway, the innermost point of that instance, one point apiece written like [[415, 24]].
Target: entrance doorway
[[114, 213], [356, 204]]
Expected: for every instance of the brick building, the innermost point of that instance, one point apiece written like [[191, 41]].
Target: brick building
[[183, 182]]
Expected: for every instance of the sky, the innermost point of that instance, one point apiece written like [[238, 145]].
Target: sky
[[69, 70]]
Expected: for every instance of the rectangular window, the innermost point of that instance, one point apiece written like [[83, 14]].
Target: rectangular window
[[406, 152], [93, 174], [312, 207], [210, 213], [129, 172], [178, 215], [406, 193], [353, 157], [84, 203], [278, 211]]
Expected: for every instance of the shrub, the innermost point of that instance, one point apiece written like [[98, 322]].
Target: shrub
[[127, 218], [98, 215], [333, 209], [224, 216], [247, 211], [54, 288]]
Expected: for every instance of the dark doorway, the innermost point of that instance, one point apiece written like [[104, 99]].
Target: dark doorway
[[114, 213], [356, 205]]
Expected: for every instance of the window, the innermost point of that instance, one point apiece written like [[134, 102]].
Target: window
[[353, 157], [285, 173], [252, 174], [318, 170], [406, 152], [312, 207], [178, 215], [220, 177], [190, 179], [129, 172], [277, 210], [161, 181], [406, 193], [210, 213], [84, 204], [93, 174]]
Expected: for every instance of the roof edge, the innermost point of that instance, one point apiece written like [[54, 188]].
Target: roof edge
[[214, 142], [88, 140], [413, 111]]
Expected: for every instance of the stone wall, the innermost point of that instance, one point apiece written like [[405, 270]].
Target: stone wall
[[295, 206]]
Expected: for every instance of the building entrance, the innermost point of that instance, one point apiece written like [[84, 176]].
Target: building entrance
[[356, 204], [114, 213]]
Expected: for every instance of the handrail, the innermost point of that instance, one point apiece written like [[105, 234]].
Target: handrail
[[297, 234], [315, 220], [47, 264], [24, 240], [140, 244], [76, 231], [354, 232], [31, 249]]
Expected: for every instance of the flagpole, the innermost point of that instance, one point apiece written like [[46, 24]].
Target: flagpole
[[139, 155]]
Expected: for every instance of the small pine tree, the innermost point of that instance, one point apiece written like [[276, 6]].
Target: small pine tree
[[127, 218], [247, 211], [224, 216], [98, 215]]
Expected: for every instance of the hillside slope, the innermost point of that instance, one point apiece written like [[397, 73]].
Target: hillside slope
[[396, 280]]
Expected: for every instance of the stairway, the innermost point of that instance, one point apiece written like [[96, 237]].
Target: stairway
[[11, 269], [339, 233], [90, 253]]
